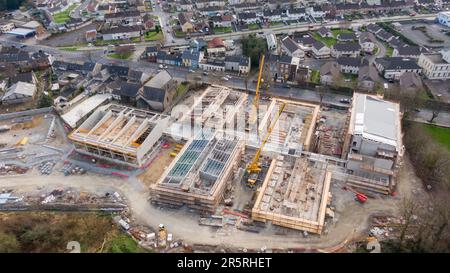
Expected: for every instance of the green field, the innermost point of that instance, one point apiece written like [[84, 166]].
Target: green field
[[153, 36], [389, 50], [276, 24], [253, 26], [68, 48], [121, 56], [181, 89], [63, 16], [222, 30], [440, 134], [328, 41]]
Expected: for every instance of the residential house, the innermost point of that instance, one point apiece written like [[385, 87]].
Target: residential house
[[366, 42], [397, 43], [148, 22], [315, 12], [351, 65], [385, 36], [320, 50], [212, 65], [436, 66], [198, 44], [248, 17], [410, 82], [163, 57], [345, 49], [373, 28], [367, 77], [137, 76], [129, 17], [212, 10], [274, 15], [191, 58], [305, 42], [216, 47], [122, 32], [392, 68], [296, 13], [127, 93], [324, 32], [292, 48], [185, 5], [282, 67], [222, 20], [150, 53], [246, 6], [329, 73], [185, 22], [6, 26], [157, 93], [200, 4], [408, 52], [346, 37], [19, 92], [240, 64], [28, 77]]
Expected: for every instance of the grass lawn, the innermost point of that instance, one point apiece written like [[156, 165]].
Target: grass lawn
[[222, 30], [328, 41], [440, 134], [68, 48], [315, 76], [63, 16], [100, 42], [123, 243], [153, 36], [276, 24], [179, 34], [121, 56], [253, 26], [338, 31], [181, 89], [389, 50]]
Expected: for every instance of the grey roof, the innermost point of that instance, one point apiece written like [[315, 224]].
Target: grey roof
[[330, 68], [191, 55], [305, 40], [395, 63], [122, 29], [318, 45], [397, 43], [22, 88], [247, 15], [120, 14], [384, 35], [22, 77], [128, 89], [350, 61], [159, 80], [374, 28], [347, 36], [290, 44], [323, 31], [162, 55], [118, 70], [409, 51], [367, 73], [376, 119], [347, 47]]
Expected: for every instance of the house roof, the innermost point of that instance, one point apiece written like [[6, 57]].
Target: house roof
[[346, 36], [347, 47], [162, 55], [22, 88], [120, 14], [289, 44], [330, 68], [122, 29], [323, 31], [304, 39], [367, 73], [159, 80], [183, 18], [247, 15], [318, 45], [129, 89], [191, 54], [350, 61], [410, 80], [216, 42], [22, 77], [384, 35], [395, 63], [409, 51]]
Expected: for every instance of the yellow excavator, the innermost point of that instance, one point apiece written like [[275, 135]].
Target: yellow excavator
[[254, 168]]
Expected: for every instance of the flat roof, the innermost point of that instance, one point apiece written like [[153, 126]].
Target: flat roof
[[81, 110], [376, 119], [20, 31]]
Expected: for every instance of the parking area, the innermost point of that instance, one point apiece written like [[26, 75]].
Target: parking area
[[425, 34]]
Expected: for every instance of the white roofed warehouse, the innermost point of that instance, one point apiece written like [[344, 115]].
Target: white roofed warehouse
[[374, 143]]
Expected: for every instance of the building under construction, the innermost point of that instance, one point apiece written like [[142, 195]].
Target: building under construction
[[121, 134], [294, 129], [200, 173], [218, 108], [295, 194]]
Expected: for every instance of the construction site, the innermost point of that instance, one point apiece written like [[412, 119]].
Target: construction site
[[121, 134], [200, 173]]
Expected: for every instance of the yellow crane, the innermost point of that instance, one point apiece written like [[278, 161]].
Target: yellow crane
[[253, 168], [258, 83]]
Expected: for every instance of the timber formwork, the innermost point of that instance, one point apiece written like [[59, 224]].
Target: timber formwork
[[199, 174], [295, 197]]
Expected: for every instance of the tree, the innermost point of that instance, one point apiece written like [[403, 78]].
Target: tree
[[157, 28], [45, 101], [253, 47]]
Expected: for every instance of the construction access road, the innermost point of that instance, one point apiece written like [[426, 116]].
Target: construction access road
[[352, 217]]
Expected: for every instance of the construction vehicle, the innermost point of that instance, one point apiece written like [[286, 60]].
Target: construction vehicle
[[360, 197], [254, 168]]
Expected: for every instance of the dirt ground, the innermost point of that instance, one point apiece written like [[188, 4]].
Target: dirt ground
[[159, 164]]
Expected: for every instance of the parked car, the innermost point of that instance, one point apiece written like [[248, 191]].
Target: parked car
[[205, 73], [225, 78], [344, 100]]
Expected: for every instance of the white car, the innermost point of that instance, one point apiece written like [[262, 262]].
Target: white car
[[161, 66], [225, 78]]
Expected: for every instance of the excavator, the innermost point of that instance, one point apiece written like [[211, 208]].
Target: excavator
[[254, 168]]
